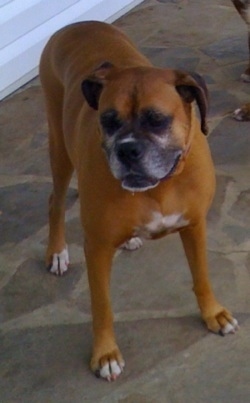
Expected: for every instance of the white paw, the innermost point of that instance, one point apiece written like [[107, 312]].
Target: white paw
[[230, 327], [133, 244], [238, 114], [60, 262], [245, 77], [111, 370]]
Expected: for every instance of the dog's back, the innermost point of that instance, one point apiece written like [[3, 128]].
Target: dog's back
[[80, 57]]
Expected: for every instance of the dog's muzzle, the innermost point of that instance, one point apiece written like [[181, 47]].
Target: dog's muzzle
[[144, 167]]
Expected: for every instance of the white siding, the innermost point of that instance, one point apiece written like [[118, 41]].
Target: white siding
[[26, 25]]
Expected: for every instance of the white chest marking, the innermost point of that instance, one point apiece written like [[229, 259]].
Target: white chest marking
[[162, 223]]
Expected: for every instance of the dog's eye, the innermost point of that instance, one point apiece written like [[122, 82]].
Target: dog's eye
[[154, 121], [111, 122]]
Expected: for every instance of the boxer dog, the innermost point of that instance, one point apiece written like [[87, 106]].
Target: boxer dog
[[144, 169], [243, 8]]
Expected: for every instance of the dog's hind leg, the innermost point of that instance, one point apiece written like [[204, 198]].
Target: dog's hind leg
[[217, 318], [243, 8], [57, 259]]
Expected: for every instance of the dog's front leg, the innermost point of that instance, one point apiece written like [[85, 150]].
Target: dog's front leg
[[217, 318], [107, 361]]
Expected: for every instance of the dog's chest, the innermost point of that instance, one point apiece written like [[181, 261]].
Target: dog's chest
[[160, 225]]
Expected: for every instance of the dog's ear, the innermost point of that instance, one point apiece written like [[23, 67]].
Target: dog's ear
[[192, 87], [92, 86]]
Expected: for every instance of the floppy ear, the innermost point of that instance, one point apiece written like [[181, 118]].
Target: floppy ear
[[192, 87], [93, 85]]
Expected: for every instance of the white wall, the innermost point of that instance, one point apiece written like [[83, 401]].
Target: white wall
[[26, 25]]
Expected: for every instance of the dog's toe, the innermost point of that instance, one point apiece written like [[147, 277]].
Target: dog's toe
[[133, 244], [243, 113], [237, 114], [60, 262], [108, 366], [230, 327], [111, 370], [245, 77], [222, 323]]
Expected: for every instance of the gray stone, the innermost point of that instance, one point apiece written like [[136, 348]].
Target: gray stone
[[230, 143], [24, 210], [180, 58], [228, 50], [32, 287], [45, 321], [241, 208], [221, 103]]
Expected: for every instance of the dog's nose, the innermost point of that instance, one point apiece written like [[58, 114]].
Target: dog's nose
[[130, 151]]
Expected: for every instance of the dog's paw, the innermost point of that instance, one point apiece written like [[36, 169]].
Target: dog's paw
[[222, 323], [60, 262], [243, 113], [245, 77], [133, 244], [110, 371], [108, 367]]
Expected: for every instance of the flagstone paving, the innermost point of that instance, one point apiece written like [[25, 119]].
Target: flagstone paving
[[45, 321]]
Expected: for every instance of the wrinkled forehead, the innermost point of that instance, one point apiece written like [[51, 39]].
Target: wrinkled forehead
[[130, 92]]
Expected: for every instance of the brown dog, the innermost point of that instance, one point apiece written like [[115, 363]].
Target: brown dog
[[243, 8], [143, 165]]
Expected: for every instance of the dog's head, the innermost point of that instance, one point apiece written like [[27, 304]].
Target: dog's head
[[147, 120]]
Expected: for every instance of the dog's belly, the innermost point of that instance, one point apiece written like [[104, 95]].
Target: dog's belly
[[161, 225]]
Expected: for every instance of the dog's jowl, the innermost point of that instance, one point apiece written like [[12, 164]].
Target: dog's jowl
[[144, 169]]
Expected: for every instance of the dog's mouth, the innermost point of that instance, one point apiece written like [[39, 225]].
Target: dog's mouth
[[135, 182], [138, 183], [173, 168]]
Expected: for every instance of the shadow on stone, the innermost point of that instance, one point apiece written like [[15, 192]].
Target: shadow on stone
[[24, 210], [33, 287]]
